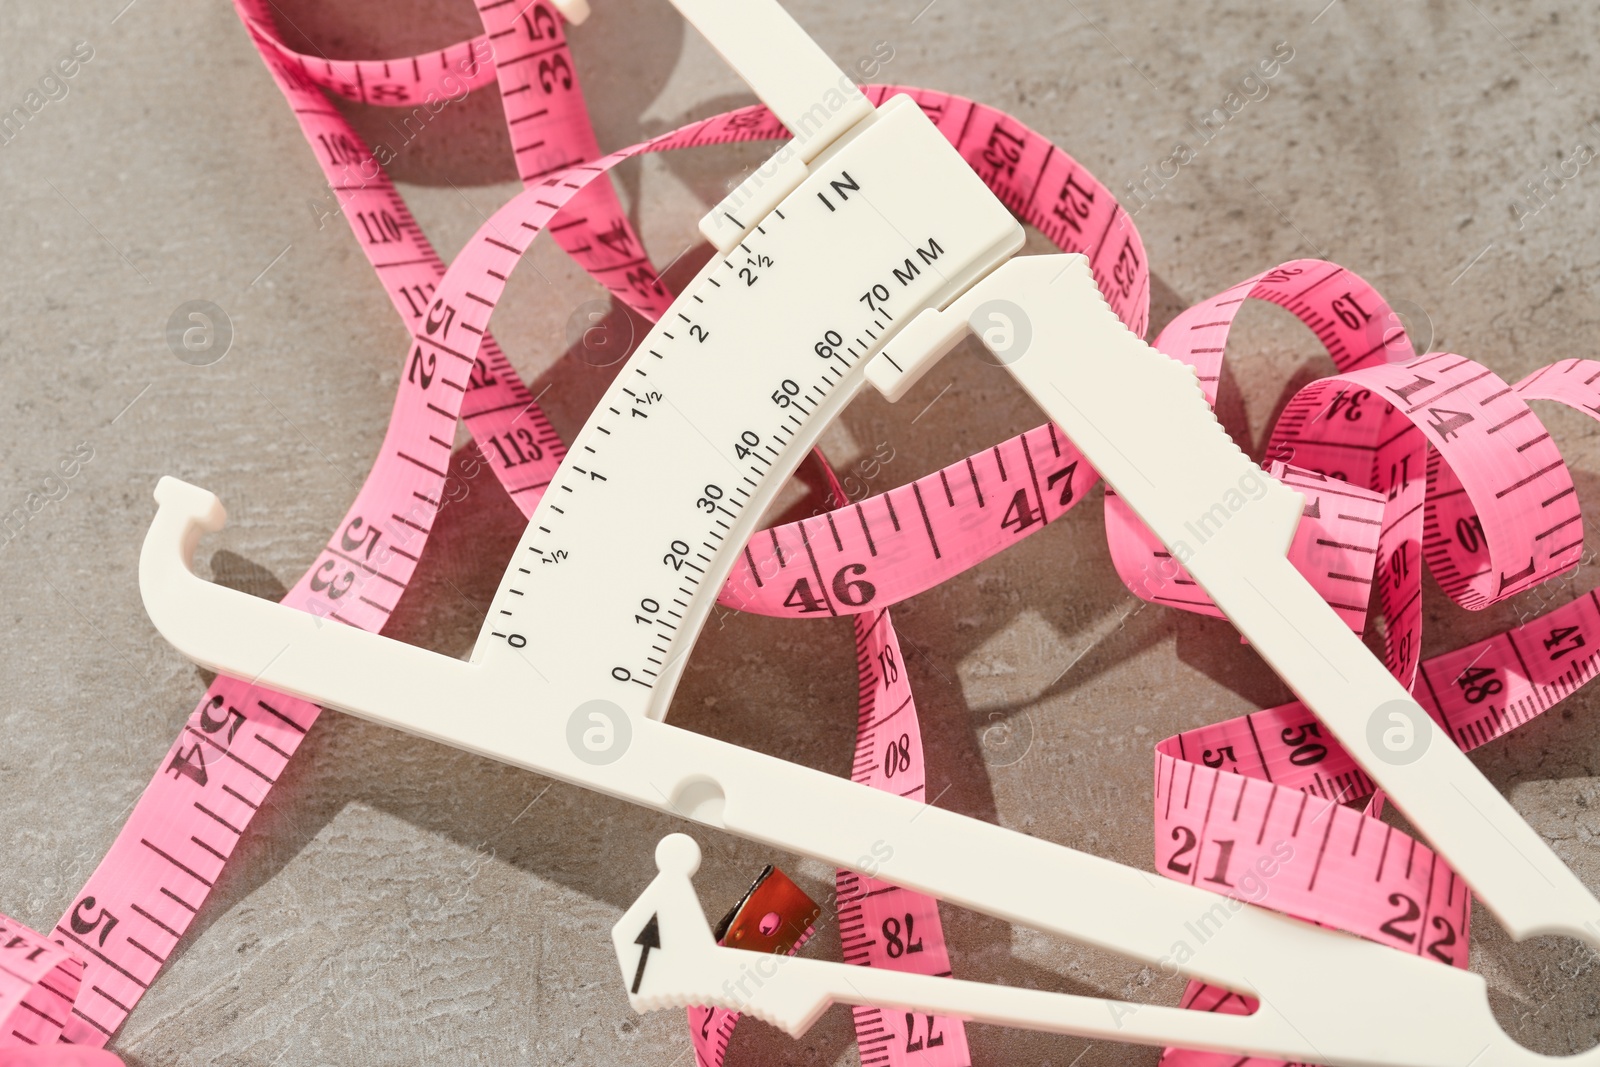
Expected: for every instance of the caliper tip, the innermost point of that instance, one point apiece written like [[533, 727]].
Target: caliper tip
[[574, 11], [190, 502], [670, 958]]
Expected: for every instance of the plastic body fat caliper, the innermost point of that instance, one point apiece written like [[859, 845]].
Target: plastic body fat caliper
[[865, 250]]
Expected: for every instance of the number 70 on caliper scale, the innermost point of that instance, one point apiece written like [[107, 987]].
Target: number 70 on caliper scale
[[864, 251]]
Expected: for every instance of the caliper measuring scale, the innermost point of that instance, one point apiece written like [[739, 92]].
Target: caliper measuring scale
[[867, 249]]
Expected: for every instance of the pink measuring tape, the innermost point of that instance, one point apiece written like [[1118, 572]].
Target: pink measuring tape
[[1400, 459], [880, 925]]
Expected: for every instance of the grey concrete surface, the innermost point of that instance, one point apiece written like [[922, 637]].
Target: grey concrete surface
[[399, 903]]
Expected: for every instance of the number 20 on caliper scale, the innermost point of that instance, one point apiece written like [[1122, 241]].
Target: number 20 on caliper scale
[[863, 251]]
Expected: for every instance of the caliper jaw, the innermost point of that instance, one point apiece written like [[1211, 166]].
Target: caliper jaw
[[686, 966], [574, 11]]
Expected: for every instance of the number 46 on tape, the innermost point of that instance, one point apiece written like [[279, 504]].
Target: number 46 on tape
[[877, 202]]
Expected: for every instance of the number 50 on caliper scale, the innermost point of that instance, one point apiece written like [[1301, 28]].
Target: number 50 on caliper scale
[[865, 250]]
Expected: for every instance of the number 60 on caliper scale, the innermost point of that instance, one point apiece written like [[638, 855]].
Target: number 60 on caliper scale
[[877, 250]]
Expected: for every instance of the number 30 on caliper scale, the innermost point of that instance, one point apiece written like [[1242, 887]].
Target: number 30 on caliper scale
[[865, 250]]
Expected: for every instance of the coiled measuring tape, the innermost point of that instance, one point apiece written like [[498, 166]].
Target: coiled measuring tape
[[217, 727]]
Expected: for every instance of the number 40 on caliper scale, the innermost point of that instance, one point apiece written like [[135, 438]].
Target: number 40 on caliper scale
[[864, 251]]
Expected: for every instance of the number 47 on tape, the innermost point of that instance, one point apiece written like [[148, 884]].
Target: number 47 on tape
[[877, 201]]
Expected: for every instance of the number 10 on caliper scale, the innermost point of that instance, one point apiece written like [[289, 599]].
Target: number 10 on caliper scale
[[864, 251]]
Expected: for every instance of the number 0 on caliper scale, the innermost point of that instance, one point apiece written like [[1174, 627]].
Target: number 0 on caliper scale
[[860, 253]]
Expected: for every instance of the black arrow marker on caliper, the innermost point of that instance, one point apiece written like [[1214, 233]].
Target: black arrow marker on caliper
[[649, 937]]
